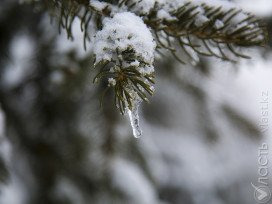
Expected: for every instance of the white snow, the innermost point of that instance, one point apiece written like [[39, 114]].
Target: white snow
[[13, 192], [163, 14], [122, 31], [112, 82], [129, 178], [146, 70], [57, 77], [218, 24], [98, 5], [218, 3], [262, 8], [200, 20], [142, 7], [22, 52]]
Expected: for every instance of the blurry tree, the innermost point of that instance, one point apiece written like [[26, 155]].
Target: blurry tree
[[64, 148]]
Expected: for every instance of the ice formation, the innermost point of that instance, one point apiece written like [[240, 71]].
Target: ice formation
[[134, 120]]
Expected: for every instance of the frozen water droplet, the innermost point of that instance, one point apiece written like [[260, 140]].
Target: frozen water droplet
[[134, 121]]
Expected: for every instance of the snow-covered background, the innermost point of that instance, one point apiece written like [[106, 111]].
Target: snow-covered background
[[201, 132]]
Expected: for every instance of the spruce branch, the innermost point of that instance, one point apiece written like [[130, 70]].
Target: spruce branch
[[125, 59], [193, 28], [208, 30]]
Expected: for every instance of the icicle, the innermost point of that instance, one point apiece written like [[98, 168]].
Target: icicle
[[134, 120]]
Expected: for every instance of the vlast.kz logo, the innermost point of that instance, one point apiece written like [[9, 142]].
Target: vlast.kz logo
[[262, 194]]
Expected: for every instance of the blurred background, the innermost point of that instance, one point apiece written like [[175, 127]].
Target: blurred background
[[203, 129]]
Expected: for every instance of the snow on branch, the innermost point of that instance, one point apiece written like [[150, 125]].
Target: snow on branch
[[129, 32], [125, 49], [206, 27], [210, 28]]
